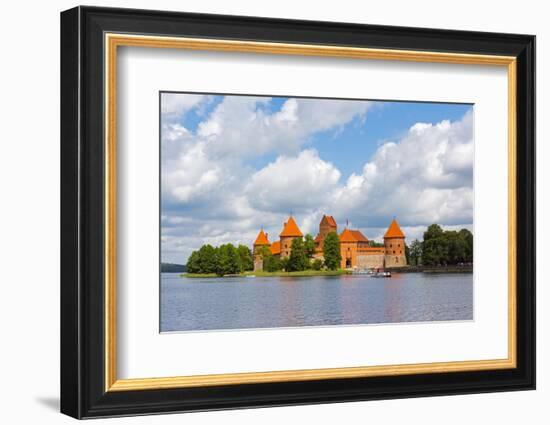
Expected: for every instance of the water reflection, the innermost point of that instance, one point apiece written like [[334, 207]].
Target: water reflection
[[243, 303]]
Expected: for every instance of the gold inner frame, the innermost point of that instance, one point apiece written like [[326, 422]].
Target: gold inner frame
[[113, 41]]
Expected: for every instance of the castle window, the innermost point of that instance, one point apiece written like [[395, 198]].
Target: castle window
[[398, 245], [390, 245], [401, 252], [394, 252]]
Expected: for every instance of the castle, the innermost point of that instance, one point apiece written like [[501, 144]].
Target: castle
[[355, 249]]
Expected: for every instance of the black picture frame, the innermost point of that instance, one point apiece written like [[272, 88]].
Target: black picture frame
[[83, 392]]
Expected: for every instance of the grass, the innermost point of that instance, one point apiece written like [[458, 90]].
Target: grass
[[304, 273], [193, 275]]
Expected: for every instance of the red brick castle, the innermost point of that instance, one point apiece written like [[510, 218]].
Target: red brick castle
[[355, 249]]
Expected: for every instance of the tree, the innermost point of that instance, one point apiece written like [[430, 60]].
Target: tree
[[228, 260], [446, 247], [193, 265], [415, 252], [468, 238], [374, 244], [456, 248], [331, 251], [284, 264], [317, 264], [298, 260], [407, 253], [309, 245], [434, 252], [208, 259], [245, 258], [434, 231]]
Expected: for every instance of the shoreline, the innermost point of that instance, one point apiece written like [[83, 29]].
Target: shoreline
[[305, 273], [339, 272]]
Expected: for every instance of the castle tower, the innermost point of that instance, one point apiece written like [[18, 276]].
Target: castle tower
[[327, 225], [288, 234], [394, 246], [260, 242]]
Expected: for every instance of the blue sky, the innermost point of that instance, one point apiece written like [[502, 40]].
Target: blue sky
[[232, 164]]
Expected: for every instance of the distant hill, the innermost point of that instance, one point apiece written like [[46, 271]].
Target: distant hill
[[172, 268]]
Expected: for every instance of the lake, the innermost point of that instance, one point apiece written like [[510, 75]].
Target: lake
[[191, 304]]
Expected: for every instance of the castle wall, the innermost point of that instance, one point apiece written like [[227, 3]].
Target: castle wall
[[370, 261]]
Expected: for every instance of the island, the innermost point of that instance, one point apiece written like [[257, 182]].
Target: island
[[333, 254]]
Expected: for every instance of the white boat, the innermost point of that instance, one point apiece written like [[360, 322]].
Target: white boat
[[363, 272], [381, 274]]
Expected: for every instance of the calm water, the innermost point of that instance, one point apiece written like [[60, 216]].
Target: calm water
[[241, 303]]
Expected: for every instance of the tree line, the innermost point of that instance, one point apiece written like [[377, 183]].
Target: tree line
[[228, 259], [222, 260], [442, 247]]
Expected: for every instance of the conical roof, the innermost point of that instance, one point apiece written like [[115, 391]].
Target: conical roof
[[291, 229], [394, 231], [261, 239]]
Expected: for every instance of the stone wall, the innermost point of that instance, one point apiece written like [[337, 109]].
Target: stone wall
[[370, 261]]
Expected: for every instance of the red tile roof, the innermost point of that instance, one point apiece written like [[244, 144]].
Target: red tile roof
[[261, 239], [275, 248], [347, 236], [352, 236], [394, 231], [330, 220], [359, 236], [291, 229]]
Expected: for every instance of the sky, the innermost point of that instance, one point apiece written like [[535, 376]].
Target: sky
[[232, 165]]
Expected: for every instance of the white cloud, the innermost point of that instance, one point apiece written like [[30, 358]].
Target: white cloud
[[424, 177], [299, 183], [243, 126], [178, 103]]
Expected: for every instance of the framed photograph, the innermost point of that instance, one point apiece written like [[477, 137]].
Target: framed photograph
[[261, 212]]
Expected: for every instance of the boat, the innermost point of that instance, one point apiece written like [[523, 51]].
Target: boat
[[381, 274], [363, 272]]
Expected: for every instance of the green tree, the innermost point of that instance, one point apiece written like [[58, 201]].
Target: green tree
[[298, 259], [317, 264], [415, 252], [193, 265], [456, 248], [284, 264], [228, 260], [246, 261], [309, 245], [270, 263], [374, 244], [273, 264], [407, 253], [434, 231], [331, 251], [434, 251], [468, 238], [444, 247], [208, 259]]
